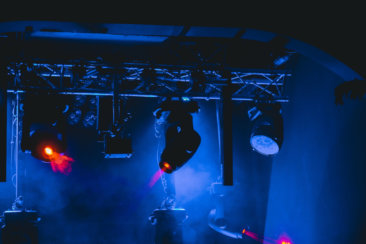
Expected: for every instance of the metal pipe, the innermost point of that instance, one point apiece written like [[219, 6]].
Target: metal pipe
[[257, 81], [103, 93], [219, 132], [115, 102], [16, 151]]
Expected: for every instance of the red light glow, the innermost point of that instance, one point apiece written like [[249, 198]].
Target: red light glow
[[266, 240], [285, 242], [61, 163], [155, 178], [166, 167], [284, 239]]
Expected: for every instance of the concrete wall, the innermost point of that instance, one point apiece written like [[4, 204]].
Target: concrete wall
[[318, 181]]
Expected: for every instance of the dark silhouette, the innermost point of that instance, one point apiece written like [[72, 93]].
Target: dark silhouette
[[354, 89]]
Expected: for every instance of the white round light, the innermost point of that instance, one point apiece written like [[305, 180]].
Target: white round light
[[264, 144]]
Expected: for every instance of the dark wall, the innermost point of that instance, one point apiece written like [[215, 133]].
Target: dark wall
[[318, 181]]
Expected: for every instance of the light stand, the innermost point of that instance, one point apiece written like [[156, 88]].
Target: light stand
[[168, 225], [19, 225]]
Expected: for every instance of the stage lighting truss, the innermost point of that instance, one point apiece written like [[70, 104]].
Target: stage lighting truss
[[145, 80]]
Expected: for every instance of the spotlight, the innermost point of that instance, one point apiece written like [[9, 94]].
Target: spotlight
[[43, 127], [181, 140], [267, 131], [45, 142]]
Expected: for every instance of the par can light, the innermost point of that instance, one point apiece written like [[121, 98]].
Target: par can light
[[267, 131]]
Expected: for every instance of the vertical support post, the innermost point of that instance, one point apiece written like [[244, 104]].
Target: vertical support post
[[116, 108], [219, 136], [3, 121], [226, 137], [16, 150]]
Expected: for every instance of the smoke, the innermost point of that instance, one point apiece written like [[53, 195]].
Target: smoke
[[109, 200]]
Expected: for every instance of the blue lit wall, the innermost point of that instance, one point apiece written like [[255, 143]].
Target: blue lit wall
[[318, 182]]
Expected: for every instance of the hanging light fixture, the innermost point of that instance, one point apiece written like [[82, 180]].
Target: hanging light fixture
[[267, 131], [181, 140], [43, 133]]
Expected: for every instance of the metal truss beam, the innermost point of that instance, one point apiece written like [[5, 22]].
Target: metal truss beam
[[143, 80]]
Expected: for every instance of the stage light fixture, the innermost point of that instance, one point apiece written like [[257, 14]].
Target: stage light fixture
[[116, 146], [112, 121], [82, 111], [181, 140], [43, 133], [267, 131], [74, 116], [43, 143]]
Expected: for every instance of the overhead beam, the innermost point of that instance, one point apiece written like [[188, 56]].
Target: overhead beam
[[93, 79]]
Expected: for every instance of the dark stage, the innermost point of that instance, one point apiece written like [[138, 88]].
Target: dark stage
[[119, 132]]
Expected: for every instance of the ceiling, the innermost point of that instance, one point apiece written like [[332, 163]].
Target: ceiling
[[336, 30]]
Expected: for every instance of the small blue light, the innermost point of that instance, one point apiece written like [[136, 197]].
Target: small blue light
[[281, 60], [186, 99]]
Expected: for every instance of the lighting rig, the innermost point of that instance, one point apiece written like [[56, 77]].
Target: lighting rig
[[100, 94], [100, 86]]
